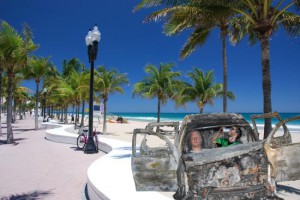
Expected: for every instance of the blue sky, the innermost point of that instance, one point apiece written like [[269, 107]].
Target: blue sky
[[127, 44]]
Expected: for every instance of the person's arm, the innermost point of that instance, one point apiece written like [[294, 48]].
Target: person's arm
[[216, 135]]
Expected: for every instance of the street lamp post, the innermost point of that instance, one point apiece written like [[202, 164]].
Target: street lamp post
[[92, 39], [44, 111]]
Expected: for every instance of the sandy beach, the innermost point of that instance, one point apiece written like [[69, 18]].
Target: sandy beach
[[35, 166]]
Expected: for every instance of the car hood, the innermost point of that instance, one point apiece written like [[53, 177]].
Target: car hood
[[217, 154]]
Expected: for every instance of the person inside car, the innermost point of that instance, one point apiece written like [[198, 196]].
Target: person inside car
[[233, 134], [196, 142]]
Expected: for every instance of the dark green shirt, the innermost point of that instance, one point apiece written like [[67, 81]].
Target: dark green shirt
[[224, 142]]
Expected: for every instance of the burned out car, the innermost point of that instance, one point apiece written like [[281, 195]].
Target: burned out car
[[162, 159]]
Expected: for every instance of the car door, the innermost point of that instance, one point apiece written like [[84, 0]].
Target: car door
[[282, 153], [154, 162]]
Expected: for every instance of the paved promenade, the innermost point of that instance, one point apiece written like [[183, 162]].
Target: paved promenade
[[36, 168], [40, 169]]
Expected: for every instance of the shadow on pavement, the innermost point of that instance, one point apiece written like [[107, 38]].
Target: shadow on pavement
[[1, 143], [15, 142], [23, 130], [75, 149], [288, 189], [28, 196]]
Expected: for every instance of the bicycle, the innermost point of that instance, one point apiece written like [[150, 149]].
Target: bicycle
[[82, 139]]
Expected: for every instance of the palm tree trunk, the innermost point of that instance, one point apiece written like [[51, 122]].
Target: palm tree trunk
[[76, 116], [77, 113], [36, 120], [14, 111], [66, 115], [82, 114], [61, 115], [20, 111], [158, 110], [266, 76], [104, 117], [224, 55], [10, 136]]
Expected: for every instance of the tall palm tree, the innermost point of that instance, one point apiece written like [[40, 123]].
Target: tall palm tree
[[20, 96], [70, 67], [161, 83], [16, 89], [14, 49], [109, 82], [79, 82], [37, 69], [203, 89], [202, 17], [61, 93], [260, 19], [83, 90]]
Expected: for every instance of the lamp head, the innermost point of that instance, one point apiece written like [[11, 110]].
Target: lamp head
[[96, 35], [88, 38]]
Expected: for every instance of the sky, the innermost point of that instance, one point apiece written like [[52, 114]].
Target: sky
[[128, 44]]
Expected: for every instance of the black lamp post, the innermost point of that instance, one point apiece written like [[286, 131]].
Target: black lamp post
[[44, 111], [92, 39]]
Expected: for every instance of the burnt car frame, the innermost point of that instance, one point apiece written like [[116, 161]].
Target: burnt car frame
[[248, 170]]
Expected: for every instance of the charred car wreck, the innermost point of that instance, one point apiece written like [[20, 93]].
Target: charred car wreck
[[248, 170]]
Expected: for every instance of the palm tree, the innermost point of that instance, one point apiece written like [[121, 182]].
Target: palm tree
[[79, 82], [260, 19], [37, 69], [109, 82], [161, 83], [202, 17], [61, 94], [203, 89], [83, 90], [70, 66], [20, 96], [14, 50], [16, 90]]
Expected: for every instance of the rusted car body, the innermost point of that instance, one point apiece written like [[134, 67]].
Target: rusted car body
[[248, 170]]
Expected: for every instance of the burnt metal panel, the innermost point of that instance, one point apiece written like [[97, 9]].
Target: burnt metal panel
[[214, 120], [154, 169], [283, 155], [242, 176], [218, 154]]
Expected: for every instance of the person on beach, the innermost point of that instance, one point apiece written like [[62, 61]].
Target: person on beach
[[120, 119], [233, 134], [196, 142], [72, 118], [111, 119]]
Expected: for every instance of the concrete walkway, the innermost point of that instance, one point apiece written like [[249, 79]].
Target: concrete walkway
[[110, 176], [37, 168]]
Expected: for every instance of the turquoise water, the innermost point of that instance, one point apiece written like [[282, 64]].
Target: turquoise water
[[152, 117]]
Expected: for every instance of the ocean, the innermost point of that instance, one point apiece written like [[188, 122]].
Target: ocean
[[152, 117]]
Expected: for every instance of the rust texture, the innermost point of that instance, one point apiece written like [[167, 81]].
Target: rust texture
[[240, 177]]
